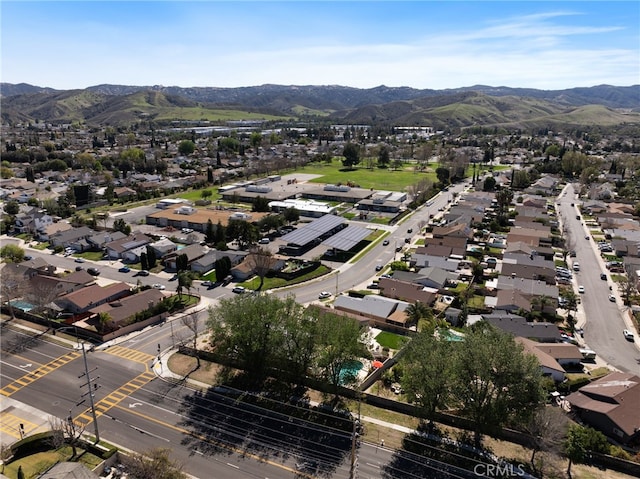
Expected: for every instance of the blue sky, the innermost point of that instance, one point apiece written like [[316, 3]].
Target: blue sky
[[420, 44]]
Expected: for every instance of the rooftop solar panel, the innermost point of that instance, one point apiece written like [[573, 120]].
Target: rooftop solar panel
[[347, 238], [313, 230]]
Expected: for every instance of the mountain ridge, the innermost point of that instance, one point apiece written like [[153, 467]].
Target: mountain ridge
[[477, 104]]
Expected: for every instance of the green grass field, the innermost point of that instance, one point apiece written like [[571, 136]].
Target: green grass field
[[391, 340], [383, 179]]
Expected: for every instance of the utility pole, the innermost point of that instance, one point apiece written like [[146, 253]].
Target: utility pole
[[91, 388], [353, 472]]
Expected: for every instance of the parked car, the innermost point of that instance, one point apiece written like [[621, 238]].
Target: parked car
[[264, 241], [612, 298], [158, 286], [79, 260], [28, 257], [143, 272], [124, 269], [410, 230], [379, 267], [324, 295], [628, 335], [239, 290], [93, 271], [79, 268], [207, 283], [581, 289], [603, 276]]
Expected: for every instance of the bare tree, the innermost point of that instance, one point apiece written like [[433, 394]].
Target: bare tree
[[548, 428], [154, 464], [12, 285], [192, 321], [41, 295], [260, 260], [66, 431]]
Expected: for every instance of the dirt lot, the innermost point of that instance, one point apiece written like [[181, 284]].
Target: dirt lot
[[207, 373]]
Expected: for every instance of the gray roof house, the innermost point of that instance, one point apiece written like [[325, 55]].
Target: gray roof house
[[207, 262], [98, 240], [434, 277], [116, 249], [71, 237], [163, 247], [518, 326]]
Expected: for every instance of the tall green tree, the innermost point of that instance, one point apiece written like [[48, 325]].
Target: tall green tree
[[291, 215], [351, 153], [186, 147], [182, 262], [495, 382], [383, 157], [121, 225], [251, 330], [209, 232], [223, 268], [338, 343], [242, 231], [260, 204], [428, 373]]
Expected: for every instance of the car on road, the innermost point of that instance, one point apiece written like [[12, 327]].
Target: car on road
[[124, 269], [27, 257], [207, 283], [79, 268], [324, 295], [239, 290], [385, 242], [79, 260], [581, 289], [572, 254], [603, 276], [379, 267], [410, 230], [158, 286], [173, 278], [612, 298], [93, 271], [398, 249], [142, 272], [628, 335]]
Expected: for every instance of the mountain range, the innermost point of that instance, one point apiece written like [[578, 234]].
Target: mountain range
[[480, 105]]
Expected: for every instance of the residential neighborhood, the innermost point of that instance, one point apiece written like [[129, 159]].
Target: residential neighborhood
[[490, 247]]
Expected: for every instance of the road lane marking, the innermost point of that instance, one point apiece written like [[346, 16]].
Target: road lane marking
[[114, 398], [130, 354], [206, 440], [10, 424], [36, 374]]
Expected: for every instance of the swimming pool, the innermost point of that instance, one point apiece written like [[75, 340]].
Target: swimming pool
[[448, 335], [22, 305], [349, 371]]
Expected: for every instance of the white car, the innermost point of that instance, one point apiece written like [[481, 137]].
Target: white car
[[628, 335], [158, 286], [581, 289], [324, 295], [239, 290], [612, 298]]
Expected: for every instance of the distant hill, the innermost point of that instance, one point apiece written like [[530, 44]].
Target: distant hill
[[476, 105]]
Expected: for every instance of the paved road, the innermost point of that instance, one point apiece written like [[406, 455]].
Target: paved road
[[212, 432], [603, 320]]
